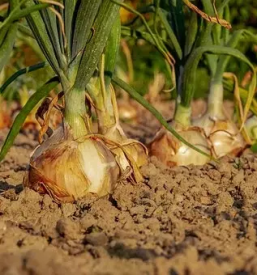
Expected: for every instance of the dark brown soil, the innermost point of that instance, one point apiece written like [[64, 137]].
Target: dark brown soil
[[185, 220]]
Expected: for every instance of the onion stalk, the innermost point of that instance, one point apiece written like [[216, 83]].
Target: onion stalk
[[165, 146], [74, 160], [223, 133], [129, 153]]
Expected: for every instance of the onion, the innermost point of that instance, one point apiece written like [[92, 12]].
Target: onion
[[223, 135], [68, 169], [173, 152], [222, 132]]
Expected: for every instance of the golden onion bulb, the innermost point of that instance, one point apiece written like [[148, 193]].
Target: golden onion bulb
[[173, 152], [223, 134], [68, 169]]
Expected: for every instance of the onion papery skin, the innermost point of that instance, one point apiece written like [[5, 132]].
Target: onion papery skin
[[68, 169], [172, 152], [223, 134], [138, 151], [134, 148]]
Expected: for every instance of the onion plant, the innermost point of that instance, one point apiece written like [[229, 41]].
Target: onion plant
[[80, 41], [223, 133], [165, 146]]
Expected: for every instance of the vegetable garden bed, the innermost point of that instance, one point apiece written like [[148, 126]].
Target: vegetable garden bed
[[182, 220], [128, 137]]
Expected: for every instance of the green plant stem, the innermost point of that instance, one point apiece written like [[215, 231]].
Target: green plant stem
[[183, 115], [75, 112], [103, 104], [215, 99], [103, 24], [170, 33], [25, 30], [7, 45], [105, 101]]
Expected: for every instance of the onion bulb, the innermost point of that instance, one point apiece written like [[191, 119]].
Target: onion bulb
[[173, 152], [68, 169], [222, 132]]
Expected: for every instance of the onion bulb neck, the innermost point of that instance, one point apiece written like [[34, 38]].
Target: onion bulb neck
[[183, 115], [215, 100], [75, 114]]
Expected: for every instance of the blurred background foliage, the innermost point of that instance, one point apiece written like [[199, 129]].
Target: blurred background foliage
[[147, 62], [139, 62]]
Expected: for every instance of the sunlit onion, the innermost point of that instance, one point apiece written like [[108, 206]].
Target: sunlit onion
[[223, 135], [68, 169], [172, 152]]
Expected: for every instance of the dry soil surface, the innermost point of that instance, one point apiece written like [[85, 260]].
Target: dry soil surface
[[193, 220]]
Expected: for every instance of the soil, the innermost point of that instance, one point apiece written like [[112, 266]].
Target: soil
[[184, 220]]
